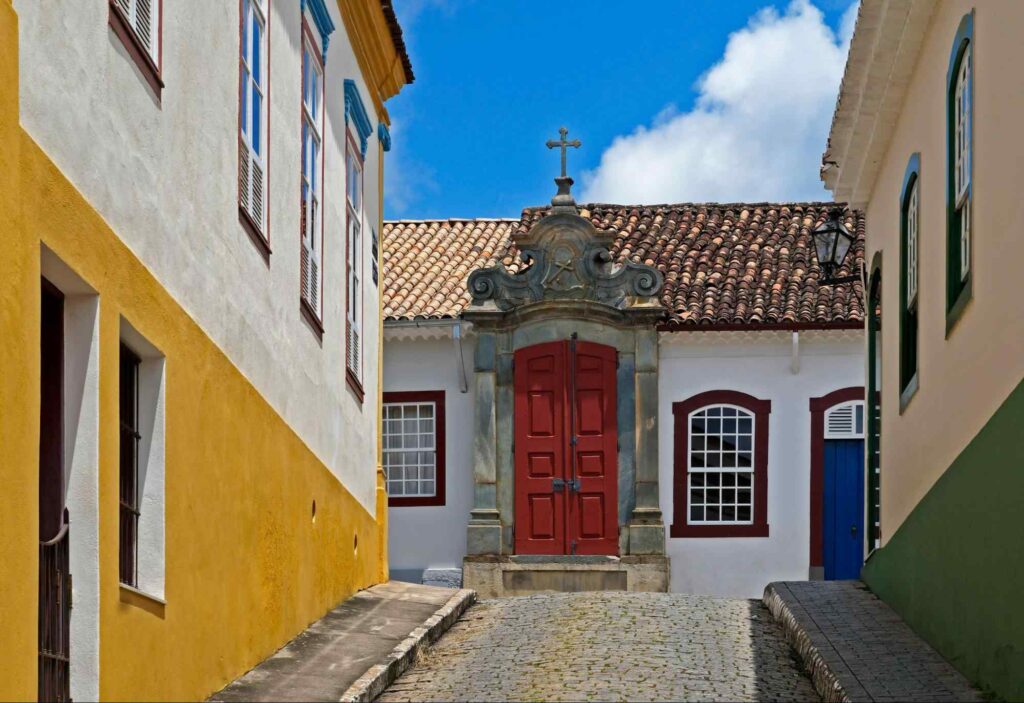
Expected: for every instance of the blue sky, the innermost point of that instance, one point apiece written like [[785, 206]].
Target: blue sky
[[692, 100]]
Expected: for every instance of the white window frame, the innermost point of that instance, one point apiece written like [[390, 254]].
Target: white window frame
[[252, 167], [913, 212], [132, 10], [312, 186], [418, 448], [354, 257], [742, 413], [962, 157]]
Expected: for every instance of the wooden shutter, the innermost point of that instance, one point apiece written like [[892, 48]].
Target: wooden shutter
[[243, 173]]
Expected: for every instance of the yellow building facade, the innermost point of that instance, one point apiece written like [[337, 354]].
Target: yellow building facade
[[260, 531]]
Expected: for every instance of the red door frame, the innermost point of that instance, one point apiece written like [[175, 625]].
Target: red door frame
[[566, 390]]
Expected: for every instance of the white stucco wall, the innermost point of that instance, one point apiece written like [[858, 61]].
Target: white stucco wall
[[165, 176], [434, 537], [761, 365]]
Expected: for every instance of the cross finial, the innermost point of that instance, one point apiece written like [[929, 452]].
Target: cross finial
[[563, 143], [563, 201]]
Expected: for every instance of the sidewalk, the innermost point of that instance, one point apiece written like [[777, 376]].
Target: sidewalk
[[857, 648], [357, 649]]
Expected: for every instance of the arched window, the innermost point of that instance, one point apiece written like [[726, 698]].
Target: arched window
[[960, 139], [721, 465], [845, 421], [909, 225]]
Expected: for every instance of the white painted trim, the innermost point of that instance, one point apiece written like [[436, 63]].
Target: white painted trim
[[142, 594]]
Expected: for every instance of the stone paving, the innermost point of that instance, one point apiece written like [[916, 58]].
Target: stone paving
[[608, 646]]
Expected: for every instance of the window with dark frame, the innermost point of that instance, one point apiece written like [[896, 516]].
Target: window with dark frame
[[413, 435], [252, 121], [353, 262], [137, 23], [311, 219], [909, 275], [720, 484], [959, 196], [129, 466]]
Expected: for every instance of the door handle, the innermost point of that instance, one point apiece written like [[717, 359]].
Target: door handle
[[557, 485], [853, 530]]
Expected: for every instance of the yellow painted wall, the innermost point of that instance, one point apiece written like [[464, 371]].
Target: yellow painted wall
[[246, 566], [965, 378]]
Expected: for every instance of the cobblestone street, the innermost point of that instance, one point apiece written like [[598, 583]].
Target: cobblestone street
[[608, 646]]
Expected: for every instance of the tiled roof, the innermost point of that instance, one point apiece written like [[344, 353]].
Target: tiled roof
[[727, 265]]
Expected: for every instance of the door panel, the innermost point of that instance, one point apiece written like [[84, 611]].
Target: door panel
[[593, 511], [843, 515], [539, 437]]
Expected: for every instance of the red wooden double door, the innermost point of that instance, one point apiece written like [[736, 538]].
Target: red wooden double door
[[566, 449]]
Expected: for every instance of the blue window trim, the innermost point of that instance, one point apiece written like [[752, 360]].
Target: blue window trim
[[356, 112], [384, 135], [322, 20]]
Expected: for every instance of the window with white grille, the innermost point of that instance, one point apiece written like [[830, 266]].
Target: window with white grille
[[962, 158], [845, 421], [143, 17], [252, 145], [354, 258], [312, 149], [721, 466], [912, 219], [410, 449]]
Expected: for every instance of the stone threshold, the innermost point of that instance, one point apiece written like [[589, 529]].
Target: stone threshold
[[357, 649], [856, 648]]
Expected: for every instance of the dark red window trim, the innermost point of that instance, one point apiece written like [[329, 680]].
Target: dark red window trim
[[350, 144], [818, 407], [436, 397], [354, 385], [261, 241], [124, 31], [311, 315], [681, 465]]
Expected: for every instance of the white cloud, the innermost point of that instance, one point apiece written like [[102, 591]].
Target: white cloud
[[757, 129], [406, 180]]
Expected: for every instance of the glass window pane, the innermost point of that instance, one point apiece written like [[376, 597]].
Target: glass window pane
[[257, 39], [257, 111]]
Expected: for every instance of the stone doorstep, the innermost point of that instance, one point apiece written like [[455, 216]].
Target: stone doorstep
[[495, 576], [357, 649]]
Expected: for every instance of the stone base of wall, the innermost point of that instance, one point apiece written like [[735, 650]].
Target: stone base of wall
[[496, 576]]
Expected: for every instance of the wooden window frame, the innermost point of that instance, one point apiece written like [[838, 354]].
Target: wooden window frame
[[437, 398], [353, 376], [311, 47], [909, 333], [819, 407], [260, 239], [681, 411], [128, 473], [148, 65], [959, 285]]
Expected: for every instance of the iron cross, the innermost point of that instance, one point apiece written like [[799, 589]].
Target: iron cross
[[563, 143]]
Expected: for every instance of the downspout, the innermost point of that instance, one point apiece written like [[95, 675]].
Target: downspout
[[459, 358], [794, 359], [382, 493]]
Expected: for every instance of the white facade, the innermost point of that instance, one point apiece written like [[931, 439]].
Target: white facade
[[767, 365], [164, 174]]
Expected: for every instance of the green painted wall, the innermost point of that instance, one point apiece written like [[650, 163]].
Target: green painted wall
[[955, 568]]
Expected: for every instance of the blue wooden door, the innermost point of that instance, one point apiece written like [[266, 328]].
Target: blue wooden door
[[844, 508]]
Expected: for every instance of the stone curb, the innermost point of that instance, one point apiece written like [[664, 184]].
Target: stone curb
[[378, 677], [825, 681]]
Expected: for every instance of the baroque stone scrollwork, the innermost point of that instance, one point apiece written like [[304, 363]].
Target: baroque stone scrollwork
[[565, 258]]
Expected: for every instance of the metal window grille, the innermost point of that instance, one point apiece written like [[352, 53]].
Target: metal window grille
[[912, 210], [129, 479], [55, 617], [721, 466], [410, 449]]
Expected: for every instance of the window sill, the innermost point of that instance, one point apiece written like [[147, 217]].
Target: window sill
[[908, 393], [140, 599], [310, 317], [259, 241], [143, 61], [354, 385], [955, 312], [418, 501], [718, 530]]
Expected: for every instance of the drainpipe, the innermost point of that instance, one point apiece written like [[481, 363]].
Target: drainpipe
[[794, 359], [457, 341]]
